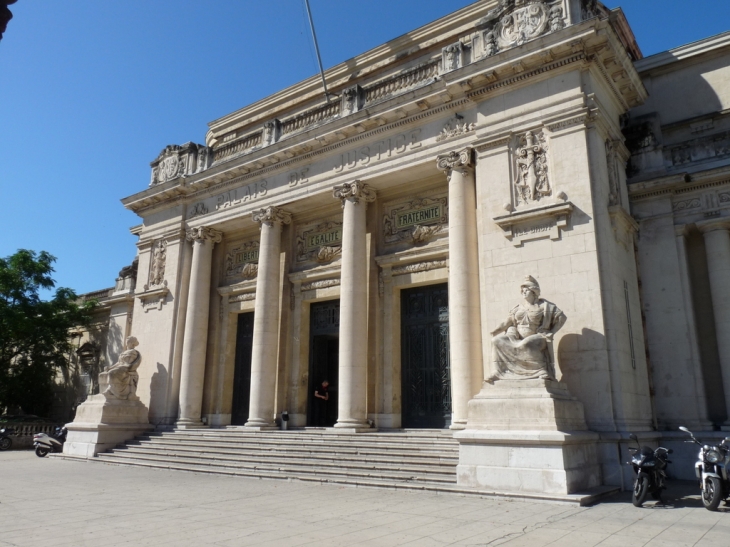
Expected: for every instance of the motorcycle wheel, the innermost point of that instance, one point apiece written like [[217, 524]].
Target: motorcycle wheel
[[41, 452], [6, 443], [712, 493], [641, 490]]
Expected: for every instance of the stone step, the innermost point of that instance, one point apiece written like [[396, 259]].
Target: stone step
[[313, 436], [290, 469], [425, 466]]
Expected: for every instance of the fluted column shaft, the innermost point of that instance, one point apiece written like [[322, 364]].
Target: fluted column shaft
[[467, 371], [717, 247], [353, 346], [264, 353], [195, 342]]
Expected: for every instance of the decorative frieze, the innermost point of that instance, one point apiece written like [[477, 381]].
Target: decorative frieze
[[417, 267], [715, 146], [321, 243], [418, 220], [243, 260], [321, 284], [532, 182], [244, 297], [455, 127]]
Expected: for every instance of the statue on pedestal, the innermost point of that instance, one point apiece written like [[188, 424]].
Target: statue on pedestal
[[521, 345], [120, 380]]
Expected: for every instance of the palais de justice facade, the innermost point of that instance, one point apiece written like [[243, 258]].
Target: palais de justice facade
[[377, 239]]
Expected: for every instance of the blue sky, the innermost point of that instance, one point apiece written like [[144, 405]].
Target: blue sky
[[92, 90]]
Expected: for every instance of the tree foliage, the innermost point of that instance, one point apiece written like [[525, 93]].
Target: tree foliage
[[34, 333]]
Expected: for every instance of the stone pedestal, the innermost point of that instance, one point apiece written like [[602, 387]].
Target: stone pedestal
[[102, 423], [527, 436]]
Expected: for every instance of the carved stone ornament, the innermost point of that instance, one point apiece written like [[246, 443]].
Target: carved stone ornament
[[203, 233], [245, 297], [532, 182], [153, 297], [351, 100], [354, 191], [417, 267], [455, 127], [522, 343], [158, 258], [419, 220], [614, 179], [320, 284], [243, 260], [199, 209], [178, 160], [460, 161], [271, 132], [514, 22], [321, 243], [452, 57], [271, 215], [120, 380]]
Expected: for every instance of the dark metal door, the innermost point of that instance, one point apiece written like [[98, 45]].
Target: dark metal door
[[425, 374], [324, 332], [242, 371]]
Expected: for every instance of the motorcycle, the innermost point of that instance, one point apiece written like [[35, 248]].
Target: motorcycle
[[45, 443], [711, 470], [5, 438], [650, 467]]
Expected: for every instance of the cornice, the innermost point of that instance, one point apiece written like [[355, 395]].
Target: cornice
[[680, 183]]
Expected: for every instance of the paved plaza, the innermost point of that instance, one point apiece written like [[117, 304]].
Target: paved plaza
[[58, 502]]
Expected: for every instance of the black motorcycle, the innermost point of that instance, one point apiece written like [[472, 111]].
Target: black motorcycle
[[711, 470], [650, 467], [6, 440]]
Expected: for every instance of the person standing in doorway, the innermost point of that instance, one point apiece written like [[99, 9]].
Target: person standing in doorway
[[321, 395]]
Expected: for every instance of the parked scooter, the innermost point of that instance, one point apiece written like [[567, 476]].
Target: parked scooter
[[45, 443], [712, 471], [6, 440], [650, 467]]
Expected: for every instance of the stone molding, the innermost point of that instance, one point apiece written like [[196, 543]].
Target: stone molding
[[320, 284], [271, 215], [153, 298], [354, 191], [455, 127], [460, 160], [202, 234], [713, 225]]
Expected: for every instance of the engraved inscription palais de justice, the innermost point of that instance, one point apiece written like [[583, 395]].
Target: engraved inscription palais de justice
[[242, 195], [382, 149]]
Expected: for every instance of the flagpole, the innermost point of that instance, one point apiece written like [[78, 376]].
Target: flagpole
[[316, 47]]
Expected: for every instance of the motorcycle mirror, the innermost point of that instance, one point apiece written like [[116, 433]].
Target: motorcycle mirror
[[634, 438], [682, 428], [670, 451]]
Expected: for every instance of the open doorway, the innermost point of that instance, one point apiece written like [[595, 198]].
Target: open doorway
[[323, 362]]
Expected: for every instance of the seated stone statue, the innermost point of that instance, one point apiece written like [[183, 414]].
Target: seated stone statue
[[120, 380], [521, 346]]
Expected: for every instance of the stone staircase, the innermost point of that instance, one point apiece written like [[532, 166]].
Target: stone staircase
[[408, 459]]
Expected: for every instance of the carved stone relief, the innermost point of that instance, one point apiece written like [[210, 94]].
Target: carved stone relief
[[176, 161], [532, 182], [157, 264], [514, 22], [614, 179], [243, 260], [455, 127], [418, 220], [452, 57], [320, 284], [199, 209], [695, 150], [351, 100], [245, 297], [321, 243], [417, 267], [271, 132]]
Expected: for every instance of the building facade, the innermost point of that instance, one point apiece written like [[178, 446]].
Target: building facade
[[377, 237]]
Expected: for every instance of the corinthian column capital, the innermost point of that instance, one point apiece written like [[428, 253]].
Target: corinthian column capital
[[456, 160], [203, 233], [354, 191], [271, 215]]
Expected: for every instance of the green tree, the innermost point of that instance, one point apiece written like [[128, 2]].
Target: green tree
[[34, 333]]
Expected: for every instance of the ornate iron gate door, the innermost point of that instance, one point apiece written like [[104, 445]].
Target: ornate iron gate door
[[242, 371], [426, 381]]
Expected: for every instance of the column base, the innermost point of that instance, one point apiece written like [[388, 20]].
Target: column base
[[457, 426], [190, 425]]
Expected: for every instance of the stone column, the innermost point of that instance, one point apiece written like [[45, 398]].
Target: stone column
[[465, 347], [195, 342], [717, 247], [264, 354], [353, 356]]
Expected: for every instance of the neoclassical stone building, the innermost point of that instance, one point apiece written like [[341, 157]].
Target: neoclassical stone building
[[375, 239]]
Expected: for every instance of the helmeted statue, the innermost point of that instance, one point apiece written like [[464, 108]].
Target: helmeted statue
[[521, 345]]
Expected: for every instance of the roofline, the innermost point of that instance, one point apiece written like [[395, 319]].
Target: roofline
[[681, 53]]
